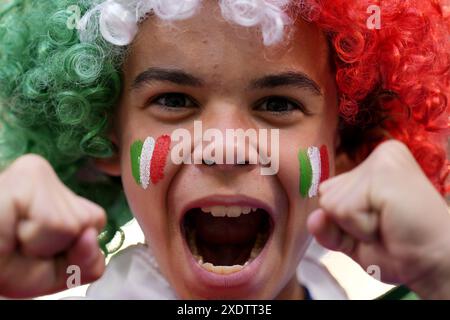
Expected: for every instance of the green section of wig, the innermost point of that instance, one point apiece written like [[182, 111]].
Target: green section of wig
[[56, 99]]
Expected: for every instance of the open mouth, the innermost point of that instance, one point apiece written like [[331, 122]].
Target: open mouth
[[225, 239]]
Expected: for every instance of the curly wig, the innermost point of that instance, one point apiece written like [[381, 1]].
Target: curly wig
[[59, 84]]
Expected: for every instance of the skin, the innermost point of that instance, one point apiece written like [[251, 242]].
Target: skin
[[408, 240], [373, 226], [226, 73]]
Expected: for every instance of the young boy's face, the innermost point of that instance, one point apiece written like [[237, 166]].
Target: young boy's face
[[221, 64]]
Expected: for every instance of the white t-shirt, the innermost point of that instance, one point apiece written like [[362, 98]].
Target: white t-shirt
[[134, 274]]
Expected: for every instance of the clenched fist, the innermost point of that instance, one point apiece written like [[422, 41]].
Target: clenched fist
[[44, 228], [385, 212]]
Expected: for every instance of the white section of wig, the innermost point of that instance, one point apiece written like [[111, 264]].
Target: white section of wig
[[113, 20], [175, 9], [117, 25], [268, 14], [118, 20]]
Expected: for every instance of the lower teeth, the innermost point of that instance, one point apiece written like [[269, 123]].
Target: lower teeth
[[257, 247], [222, 269]]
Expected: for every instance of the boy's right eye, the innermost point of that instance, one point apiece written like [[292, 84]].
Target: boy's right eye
[[173, 101]]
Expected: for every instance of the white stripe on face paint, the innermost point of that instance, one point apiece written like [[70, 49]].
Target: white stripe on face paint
[[146, 158], [314, 157]]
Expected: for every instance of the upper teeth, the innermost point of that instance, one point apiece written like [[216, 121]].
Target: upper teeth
[[232, 211]]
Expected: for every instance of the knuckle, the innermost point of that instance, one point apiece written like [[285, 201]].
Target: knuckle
[[67, 227], [343, 213], [101, 217], [72, 229], [91, 213], [33, 166], [392, 147], [325, 203], [33, 161], [83, 218], [397, 145], [386, 156]]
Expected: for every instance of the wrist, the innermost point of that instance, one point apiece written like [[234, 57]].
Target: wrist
[[434, 286], [434, 281]]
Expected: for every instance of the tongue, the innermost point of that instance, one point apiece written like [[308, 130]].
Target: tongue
[[226, 241], [225, 231], [224, 255]]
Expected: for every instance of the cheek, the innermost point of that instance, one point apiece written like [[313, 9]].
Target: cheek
[[148, 160], [313, 169], [143, 164], [303, 164], [303, 168]]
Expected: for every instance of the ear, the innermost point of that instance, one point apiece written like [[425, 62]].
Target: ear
[[343, 161], [111, 165]]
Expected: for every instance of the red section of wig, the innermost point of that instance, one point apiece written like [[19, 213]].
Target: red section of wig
[[408, 56]]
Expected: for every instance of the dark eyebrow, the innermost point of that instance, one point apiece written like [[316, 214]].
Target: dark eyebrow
[[296, 79], [175, 76]]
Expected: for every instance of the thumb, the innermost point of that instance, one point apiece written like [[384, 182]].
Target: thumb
[[87, 257], [42, 276], [345, 201], [329, 234]]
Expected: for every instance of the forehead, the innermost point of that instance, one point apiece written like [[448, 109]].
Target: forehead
[[207, 43]]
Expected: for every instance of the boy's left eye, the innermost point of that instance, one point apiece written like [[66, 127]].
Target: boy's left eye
[[279, 105]]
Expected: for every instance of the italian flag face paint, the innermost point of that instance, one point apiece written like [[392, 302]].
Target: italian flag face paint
[[148, 160], [314, 168], [159, 159]]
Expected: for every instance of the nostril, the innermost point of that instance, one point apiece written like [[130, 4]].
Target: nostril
[[208, 162], [212, 162]]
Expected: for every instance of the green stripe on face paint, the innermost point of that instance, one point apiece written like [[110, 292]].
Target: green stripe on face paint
[[305, 172], [135, 151]]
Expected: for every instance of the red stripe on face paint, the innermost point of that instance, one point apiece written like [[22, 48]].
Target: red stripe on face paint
[[324, 164], [159, 158]]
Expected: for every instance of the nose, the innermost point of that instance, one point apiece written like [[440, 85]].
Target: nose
[[227, 146], [234, 139], [227, 139]]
